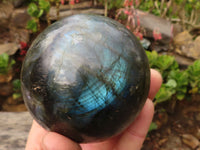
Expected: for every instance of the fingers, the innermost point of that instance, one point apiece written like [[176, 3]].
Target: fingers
[[105, 145], [55, 141], [41, 139], [35, 137], [134, 136], [155, 83]]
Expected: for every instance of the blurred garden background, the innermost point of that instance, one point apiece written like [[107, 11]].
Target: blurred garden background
[[169, 31]]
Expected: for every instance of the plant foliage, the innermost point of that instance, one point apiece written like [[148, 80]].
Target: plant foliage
[[5, 63], [16, 88], [153, 126], [183, 11], [176, 82], [163, 63], [113, 4], [194, 77], [36, 9]]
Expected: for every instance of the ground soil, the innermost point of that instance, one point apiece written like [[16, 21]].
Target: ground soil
[[173, 125]]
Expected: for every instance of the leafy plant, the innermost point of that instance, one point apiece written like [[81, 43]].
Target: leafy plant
[[181, 80], [36, 9], [146, 5], [194, 77], [16, 88], [33, 25], [185, 12], [153, 126], [111, 4], [165, 92], [163, 63], [16, 85], [175, 81], [44, 5], [5, 63]]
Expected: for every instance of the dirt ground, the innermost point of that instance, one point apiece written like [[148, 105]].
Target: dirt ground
[[177, 130]]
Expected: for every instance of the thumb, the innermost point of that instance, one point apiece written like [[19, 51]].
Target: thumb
[[55, 141]]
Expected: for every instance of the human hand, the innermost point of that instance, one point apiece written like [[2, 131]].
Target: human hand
[[131, 139]]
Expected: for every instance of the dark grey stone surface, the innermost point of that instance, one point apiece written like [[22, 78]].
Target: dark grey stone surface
[[14, 129]]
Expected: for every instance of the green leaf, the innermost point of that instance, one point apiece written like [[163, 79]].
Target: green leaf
[[16, 95], [147, 5], [40, 13], [194, 90], [152, 57], [179, 1], [171, 83], [32, 25], [153, 126], [197, 6], [12, 62], [16, 85], [194, 69], [180, 96], [156, 12], [44, 5], [33, 1], [194, 75], [113, 4], [165, 93], [181, 78], [164, 62], [4, 61], [33, 10]]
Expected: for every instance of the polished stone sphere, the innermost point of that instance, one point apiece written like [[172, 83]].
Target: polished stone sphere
[[85, 77]]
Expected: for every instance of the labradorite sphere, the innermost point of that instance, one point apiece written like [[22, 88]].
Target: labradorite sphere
[[85, 77]]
